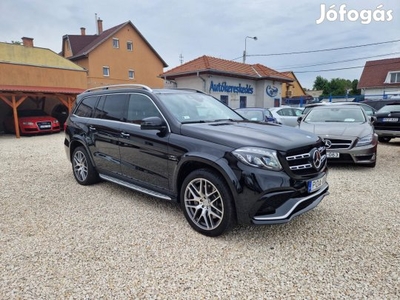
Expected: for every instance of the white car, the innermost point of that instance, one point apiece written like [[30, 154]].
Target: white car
[[286, 115]]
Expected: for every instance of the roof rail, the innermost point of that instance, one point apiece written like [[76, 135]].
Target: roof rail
[[118, 86], [189, 89]]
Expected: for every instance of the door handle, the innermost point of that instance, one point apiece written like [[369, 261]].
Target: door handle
[[125, 135], [91, 128]]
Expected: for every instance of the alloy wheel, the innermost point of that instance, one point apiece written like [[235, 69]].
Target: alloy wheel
[[203, 203]]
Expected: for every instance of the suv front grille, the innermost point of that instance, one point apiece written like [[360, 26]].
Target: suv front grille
[[306, 161]]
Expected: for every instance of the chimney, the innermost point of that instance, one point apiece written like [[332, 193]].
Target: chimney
[[27, 41], [83, 31], [99, 26]]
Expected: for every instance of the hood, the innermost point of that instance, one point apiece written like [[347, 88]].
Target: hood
[[240, 134], [341, 129], [37, 119]]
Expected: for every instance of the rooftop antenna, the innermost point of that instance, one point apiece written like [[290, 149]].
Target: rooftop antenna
[[181, 58], [95, 23]]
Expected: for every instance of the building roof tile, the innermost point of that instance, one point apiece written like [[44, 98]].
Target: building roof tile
[[82, 45], [213, 65], [375, 73]]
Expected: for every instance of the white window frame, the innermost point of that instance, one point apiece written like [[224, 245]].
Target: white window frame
[[115, 43], [106, 71], [129, 44], [129, 74], [389, 77]]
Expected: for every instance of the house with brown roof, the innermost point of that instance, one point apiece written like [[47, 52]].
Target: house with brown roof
[[293, 93], [119, 55], [380, 79], [236, 84], [33, 77]]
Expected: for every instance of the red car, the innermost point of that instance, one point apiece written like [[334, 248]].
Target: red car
[[32, 121]]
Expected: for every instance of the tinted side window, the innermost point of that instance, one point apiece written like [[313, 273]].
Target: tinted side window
[[141, 107], [114, 107], [86, 107]]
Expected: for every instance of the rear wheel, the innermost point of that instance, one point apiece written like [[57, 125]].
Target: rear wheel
[[207, 203], [82, 167], [384, 139]]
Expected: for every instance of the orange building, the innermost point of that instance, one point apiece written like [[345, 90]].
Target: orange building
[[119, 55], [293, 93]]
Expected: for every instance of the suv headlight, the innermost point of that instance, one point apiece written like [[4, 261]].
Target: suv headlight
[[258, 157], [366, 140]]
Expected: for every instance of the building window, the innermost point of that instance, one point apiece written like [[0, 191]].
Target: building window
[[243, 101], [106, 71], [394, 77], [224, 99], [115, 43], [129, 46], [131, 74]]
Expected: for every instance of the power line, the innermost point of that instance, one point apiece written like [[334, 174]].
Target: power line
[[321, 50], [345, 68], [337, 62]]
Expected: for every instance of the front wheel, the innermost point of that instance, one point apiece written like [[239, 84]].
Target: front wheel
[[207, 203], [82, 167]]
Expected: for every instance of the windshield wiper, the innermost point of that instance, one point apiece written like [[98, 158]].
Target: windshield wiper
[[231, 120], [334, 121], [195, 121]]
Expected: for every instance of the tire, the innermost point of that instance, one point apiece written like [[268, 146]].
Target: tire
[[82, 168], [207, 203], [384, 139]]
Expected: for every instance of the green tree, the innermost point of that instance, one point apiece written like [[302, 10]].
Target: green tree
[[320, 83], [336, 86]]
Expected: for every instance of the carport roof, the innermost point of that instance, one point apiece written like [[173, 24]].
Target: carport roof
[[39, 89], [34, 56]]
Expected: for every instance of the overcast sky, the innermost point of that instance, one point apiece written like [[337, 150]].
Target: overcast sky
[[193, 28]]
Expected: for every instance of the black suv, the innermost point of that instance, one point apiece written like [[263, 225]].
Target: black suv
[[188, 147]]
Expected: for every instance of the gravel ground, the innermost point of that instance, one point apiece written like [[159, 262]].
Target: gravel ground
[[60, 240]]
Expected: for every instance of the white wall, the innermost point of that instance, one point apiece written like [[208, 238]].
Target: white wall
[[378, 93], [254, 91]]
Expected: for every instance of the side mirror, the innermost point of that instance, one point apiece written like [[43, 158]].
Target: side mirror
[[299, 119], [372, 119], [153, 123]]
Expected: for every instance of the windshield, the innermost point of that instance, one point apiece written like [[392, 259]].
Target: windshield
[[196, 107], [389, 108], [335, 114]]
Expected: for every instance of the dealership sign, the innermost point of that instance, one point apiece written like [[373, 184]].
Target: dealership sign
[[271, 91], [225, 88]]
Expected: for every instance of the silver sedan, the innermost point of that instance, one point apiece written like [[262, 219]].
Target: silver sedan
[[348, 133]]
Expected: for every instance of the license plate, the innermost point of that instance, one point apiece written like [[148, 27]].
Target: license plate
[[316, 184], [332, 154], [390, 119], [44, 126]]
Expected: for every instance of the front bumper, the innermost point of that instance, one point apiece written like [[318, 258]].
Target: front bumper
[[270, 197], [387, 133], [356, 155], [292, 208]]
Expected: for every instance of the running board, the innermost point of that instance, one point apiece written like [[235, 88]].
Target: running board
[[135, 187]]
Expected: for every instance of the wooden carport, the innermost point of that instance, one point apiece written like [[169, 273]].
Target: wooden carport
[[14, 96]]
